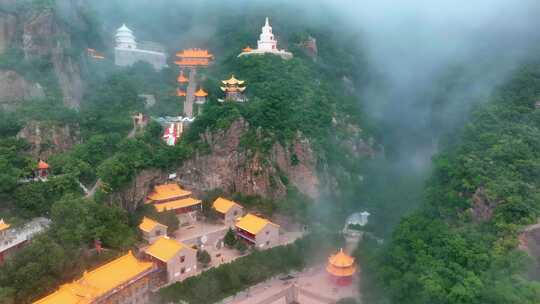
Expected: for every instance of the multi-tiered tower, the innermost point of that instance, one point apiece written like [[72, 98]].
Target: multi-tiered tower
[[128, 51]]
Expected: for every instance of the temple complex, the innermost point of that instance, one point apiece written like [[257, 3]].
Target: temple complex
[[124, 280], [152, 230], [128, 51], [176, 260], [267, 44], [227, 210], [257, 231], [234, 90], [341, 268]]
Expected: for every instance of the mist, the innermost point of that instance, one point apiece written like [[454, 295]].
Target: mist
[[414, 44]]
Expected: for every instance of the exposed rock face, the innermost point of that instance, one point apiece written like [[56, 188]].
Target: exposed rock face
[[8, 27], [136, 192], [46, 139], [483, 208], [310, 46], [15, 89], [44, 38], [229, 168]]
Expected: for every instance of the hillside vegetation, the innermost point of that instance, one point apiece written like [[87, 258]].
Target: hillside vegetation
[[450, 251]]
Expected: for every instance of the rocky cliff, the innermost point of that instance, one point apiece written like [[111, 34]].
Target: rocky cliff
[[47, 138], [134, 194], [44, 39], [15, 89], [231, 168]]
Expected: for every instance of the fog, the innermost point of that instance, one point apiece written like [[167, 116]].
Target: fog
[[414, 44]]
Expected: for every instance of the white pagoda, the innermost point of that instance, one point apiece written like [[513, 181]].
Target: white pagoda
[[127, 51], [267, 44]]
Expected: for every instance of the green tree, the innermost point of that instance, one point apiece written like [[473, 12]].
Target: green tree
[[230, 238], [204, 258]]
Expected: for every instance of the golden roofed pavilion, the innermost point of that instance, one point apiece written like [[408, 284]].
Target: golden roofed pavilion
[[201, 93], [194, 58], [106, 280], [341, 268], [234, 89]]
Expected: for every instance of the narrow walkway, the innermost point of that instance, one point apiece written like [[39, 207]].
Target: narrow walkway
[[191, 88]]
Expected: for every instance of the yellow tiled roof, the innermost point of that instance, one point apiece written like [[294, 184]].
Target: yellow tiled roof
[[222, 205], [4, 225], [252, 223], [99, 281], [167, 191], [233, 81], [164, 249], [341, 259], [148, 225], [177, 204]]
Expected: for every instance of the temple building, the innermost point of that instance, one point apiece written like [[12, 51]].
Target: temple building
[[227, 210], [166, 193], [341, 268], [128, 51], [267, 44], [14, 239], [124, 280], [257, 231], [171, 197], [234, 90], [194, 58], [176, 260], [152, 230]]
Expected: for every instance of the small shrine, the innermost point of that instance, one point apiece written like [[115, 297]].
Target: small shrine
[[234, 90], [341, 268], [181, 78], [180, 93], [42, 171], [200, 96], [267, 44]]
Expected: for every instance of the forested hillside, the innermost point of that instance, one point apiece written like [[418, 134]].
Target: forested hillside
[[462, 246]]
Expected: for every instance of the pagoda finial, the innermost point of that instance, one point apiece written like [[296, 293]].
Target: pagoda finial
[[267, 23]]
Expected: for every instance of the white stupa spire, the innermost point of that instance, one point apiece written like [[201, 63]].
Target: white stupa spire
[[124, 38], [267, 42]]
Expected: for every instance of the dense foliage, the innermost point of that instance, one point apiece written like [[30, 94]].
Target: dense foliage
[[449, 252]]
